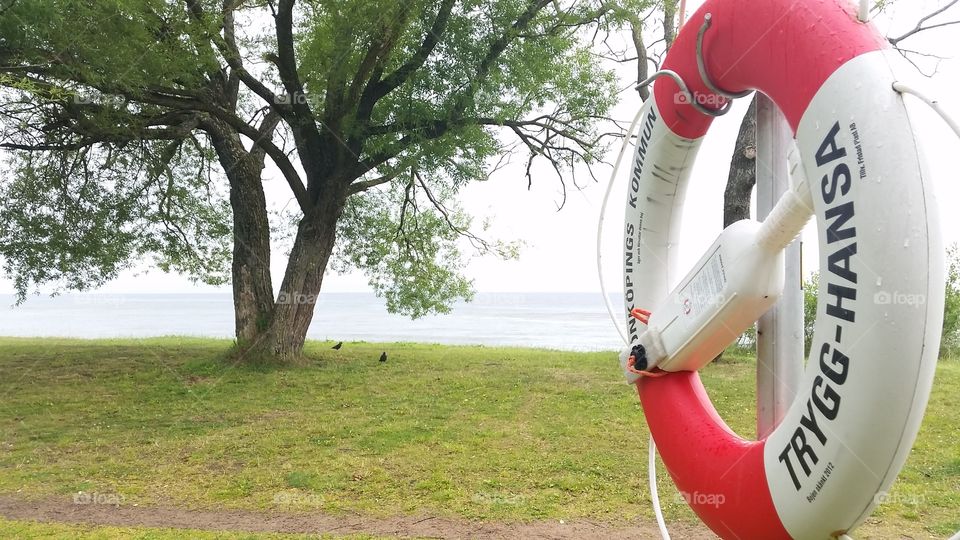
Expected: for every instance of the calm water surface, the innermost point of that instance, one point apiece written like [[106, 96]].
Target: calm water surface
[[561, 321]]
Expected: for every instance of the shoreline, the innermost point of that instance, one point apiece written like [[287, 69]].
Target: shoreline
[[310, 343]]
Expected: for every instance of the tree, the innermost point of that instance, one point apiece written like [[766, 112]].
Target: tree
[[123, 117], [811, 288], [950, 340], [743, 170]]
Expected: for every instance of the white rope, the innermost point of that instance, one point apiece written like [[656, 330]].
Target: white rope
[[603, 212], [934, 104], [654, 495], [652, 461]]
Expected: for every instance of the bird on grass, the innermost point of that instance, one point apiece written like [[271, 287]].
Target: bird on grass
[[383, 356], [337, 346]]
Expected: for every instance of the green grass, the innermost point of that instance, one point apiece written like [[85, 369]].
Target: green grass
[[59, 531], [473, 432]]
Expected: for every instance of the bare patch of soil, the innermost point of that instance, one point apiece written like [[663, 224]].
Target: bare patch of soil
[[64, 510]]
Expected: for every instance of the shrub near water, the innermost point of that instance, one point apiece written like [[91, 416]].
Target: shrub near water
[[950, 342]]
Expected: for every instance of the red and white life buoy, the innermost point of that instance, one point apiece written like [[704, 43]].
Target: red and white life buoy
[[866, 382]]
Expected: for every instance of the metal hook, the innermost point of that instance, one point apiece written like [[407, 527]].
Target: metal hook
[[686, 92], [701, 65]]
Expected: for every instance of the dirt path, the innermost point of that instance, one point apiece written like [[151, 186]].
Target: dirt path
[[63, 510]]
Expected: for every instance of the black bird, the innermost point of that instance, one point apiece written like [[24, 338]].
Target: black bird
[[383, 356], [337, 346]]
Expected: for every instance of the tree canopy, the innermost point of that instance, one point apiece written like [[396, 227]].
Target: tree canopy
[[413, 95]]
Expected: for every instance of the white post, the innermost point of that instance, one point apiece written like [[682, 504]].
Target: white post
[[780, 330], [863, 13]]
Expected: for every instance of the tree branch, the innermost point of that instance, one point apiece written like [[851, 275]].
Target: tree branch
[[276, 154], [286, 60], [364, 185], [229, 49], [919, 27], [430, 41], [478, 243], [230, 38], [493, 54], [270, 122], [70, 147], [636, 32], [669, 26]]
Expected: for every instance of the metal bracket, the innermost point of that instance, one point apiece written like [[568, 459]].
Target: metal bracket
[[707, 81], [702, 68], [686, 92]]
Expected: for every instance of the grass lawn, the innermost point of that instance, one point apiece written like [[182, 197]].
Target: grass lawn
[[470, 432], [58, 531]]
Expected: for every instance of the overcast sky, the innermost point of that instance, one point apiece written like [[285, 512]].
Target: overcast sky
[[559, 246]]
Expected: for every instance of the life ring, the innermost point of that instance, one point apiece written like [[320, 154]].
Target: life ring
[[841, 444]]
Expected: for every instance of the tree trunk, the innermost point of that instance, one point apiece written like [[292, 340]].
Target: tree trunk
[[636, 31], [284, 337], [267, 329], [743, 170], [252, 287], [743, 174], [669, 23]]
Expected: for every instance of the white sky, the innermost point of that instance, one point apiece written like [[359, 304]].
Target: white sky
[[559, 251]]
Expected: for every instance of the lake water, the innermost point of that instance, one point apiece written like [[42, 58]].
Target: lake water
[[560, 321]]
